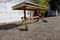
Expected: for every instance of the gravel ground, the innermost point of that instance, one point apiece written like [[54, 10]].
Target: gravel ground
[[37, 31]]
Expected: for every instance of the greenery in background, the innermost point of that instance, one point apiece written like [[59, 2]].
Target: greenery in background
[[41, 2], [45, 3], [36, 1], [59, 11]]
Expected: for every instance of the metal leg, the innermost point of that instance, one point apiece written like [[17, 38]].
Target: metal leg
[[25, 19]]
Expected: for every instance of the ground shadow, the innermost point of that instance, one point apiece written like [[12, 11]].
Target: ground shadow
[[24, 29], [13, 25], [8, 26], [21, 29]]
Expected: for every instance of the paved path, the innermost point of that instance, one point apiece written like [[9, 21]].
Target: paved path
[[37, 31]]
